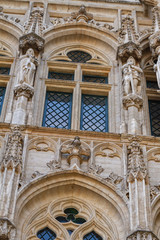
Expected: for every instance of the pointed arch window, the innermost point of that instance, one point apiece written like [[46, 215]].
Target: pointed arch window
[[92, 236], [46, 234]]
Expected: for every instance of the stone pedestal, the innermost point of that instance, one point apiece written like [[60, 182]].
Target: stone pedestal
[[142, 235], [23, 93], [133, 103]]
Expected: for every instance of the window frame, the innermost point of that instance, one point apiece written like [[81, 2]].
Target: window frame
[[106, 112]]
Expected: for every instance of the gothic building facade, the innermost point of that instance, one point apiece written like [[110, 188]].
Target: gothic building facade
[[79, 120]]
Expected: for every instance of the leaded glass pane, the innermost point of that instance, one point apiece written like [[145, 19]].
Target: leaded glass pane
[[2, 93], [152, 84], [92, 236], [95, 79], [154, 108], [79, 56], [4, 71], [94, 113], [61, 76], [46, 234], [57, 113]]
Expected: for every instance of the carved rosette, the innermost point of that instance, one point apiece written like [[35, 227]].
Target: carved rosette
[[31, 40], [7, 230], [132, 100], [23, 89], [129, 49], [142, 235], [13, 151]]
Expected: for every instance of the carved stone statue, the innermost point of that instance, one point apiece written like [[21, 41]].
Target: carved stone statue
[[131, 76], [157, 67], [27, 68]]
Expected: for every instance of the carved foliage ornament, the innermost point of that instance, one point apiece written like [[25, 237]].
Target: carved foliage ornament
[[136, 164], [127, 32], [7, 229], [14, 148], [35, 22]]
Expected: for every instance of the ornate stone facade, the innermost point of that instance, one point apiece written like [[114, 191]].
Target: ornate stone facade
[[80, 120]]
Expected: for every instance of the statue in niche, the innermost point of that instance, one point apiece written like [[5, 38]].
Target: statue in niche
[[27, 68], [131, 76], [157, 67]]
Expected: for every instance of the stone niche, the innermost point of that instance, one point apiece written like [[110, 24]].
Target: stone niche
[[153, 156]]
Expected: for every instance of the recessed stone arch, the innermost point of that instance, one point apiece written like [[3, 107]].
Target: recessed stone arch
[[87, 189], [109, 155], [40, 152], [103, 42]]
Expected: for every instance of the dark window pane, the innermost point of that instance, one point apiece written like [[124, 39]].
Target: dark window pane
[[4, 70], [46, 234], [70, 231], [61, 219], [95, 79], [79, 56], [57, 113], [61, 76], [92, 236], [2, 94], [154, 109], [94, 113], [153, 85]]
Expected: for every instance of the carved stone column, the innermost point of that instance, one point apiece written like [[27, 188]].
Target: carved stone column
[[138, 183], [10, 170], [154, 40], [129, 53], [23, 93], [132, 104]]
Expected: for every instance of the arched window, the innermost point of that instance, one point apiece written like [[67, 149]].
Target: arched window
[[46, 234], [92, 236], [79, 78]]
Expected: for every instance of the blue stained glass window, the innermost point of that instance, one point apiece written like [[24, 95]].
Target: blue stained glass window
[[46, 234], [2, 94], [94, 113], [154, 109], [95, 79], [92, 236], [57, 112], [61, 76], [4, 71]]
